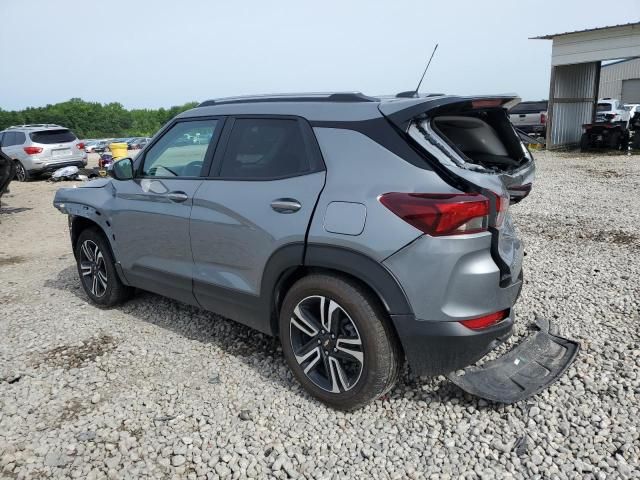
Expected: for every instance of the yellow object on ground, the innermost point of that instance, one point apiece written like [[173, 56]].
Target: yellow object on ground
[[118, 150]]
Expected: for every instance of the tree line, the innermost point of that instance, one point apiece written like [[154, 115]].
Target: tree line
[[95, 120]]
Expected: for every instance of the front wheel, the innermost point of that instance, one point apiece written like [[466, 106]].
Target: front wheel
[[97, 270], [338, 342], [585, 142]]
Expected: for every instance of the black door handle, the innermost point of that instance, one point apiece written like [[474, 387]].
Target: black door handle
[[286, 205]]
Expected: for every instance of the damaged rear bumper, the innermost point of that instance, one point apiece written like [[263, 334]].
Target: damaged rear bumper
[[532, 366], [437, 348]]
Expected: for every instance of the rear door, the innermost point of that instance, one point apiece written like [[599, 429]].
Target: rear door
[[150, 215], [259, 199]]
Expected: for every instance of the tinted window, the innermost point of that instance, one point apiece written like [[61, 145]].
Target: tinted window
[[180, 152], [48, 137], [603, 107], [19, 138], [529, 107], [8, 139], [265, 148]]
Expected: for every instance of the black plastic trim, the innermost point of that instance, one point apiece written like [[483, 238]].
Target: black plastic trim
[[372, 273], [436, 348]]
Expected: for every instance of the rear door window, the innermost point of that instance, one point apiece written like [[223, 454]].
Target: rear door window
[[19, 138], [48, 137], [263, 148]]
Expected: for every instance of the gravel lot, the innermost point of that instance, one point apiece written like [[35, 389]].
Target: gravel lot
[[159, 389]]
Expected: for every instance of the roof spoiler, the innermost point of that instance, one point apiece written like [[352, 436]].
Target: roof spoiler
[[402, 110]]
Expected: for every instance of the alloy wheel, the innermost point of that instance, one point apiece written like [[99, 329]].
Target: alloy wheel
[[326, 344], [93, 268], [21, 173]]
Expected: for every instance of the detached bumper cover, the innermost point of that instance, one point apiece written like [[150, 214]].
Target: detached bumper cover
[[527, 369]]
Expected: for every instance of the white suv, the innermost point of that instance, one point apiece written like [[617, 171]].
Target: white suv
[[41, 148], [611, 110]]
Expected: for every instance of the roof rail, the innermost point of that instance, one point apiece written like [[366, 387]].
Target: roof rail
[[294, 97], [414, 94], [36, 125]]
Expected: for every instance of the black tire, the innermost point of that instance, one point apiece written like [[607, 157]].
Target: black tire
[[635, 140], [22, 174], [360, 316], [614, 140], [99, 277], [585, 143]]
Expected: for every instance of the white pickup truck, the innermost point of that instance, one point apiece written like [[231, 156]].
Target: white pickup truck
[[530, 117]]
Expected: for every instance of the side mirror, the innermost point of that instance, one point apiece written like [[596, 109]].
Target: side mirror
[[122, 169]]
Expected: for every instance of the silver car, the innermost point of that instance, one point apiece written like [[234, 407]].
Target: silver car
[[41, 148], [362, 231]]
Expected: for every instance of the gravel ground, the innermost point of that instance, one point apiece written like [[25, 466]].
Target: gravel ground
[[159, 389]]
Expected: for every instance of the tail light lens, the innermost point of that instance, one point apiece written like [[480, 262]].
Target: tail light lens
[[543, 118], [440, 214], [486, 320], [80, 146], [502, 206], [33, 150]]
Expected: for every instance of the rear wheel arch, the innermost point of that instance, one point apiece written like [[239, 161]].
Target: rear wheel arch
[[351, 265]]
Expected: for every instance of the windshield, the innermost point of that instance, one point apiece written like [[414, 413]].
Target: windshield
[[603, 107]]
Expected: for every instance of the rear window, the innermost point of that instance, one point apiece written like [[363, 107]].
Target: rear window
[[53, 136], [603, 107], [529, 107]]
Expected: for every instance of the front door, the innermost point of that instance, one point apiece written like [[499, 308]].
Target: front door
[[150, 217], [265, 184]]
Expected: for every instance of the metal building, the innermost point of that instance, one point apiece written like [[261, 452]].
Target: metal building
[[621, 80], [575, 75]]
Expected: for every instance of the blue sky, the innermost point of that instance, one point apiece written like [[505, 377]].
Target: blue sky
[[152, 53]]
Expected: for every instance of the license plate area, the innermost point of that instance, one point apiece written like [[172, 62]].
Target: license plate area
[[61, 152]]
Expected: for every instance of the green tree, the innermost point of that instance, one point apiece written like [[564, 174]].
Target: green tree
[[95, 120]]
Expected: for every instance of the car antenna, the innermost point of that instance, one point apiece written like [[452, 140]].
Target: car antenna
[[414, 93], [427, 68]]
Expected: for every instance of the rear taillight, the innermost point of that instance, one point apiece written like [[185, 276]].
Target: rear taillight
[[486, 320], [33, 150], [439, 214], [502, 206], [80, 146], [543, 118]]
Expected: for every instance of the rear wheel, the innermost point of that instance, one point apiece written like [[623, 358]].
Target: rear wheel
[[97, 270], [585, 142], [337, 341], [22, 175], [614, 140]]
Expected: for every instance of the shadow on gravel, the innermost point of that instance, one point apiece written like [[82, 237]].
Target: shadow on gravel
[[11, 211], [253, 348], [256, 350]]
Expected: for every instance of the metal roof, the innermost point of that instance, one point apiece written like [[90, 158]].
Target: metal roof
[[553, 35]]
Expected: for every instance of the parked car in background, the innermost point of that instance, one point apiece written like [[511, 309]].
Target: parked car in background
[[41, 148], [100, 146], [305, 217], [89, 146], [611, 110], [530, 117], [137, 143]]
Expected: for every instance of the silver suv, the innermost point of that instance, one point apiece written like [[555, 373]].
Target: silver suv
[[362, 231], [41, 148]]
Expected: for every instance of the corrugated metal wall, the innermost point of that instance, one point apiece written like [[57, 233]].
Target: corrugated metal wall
[[571, 101], [611, 77]]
